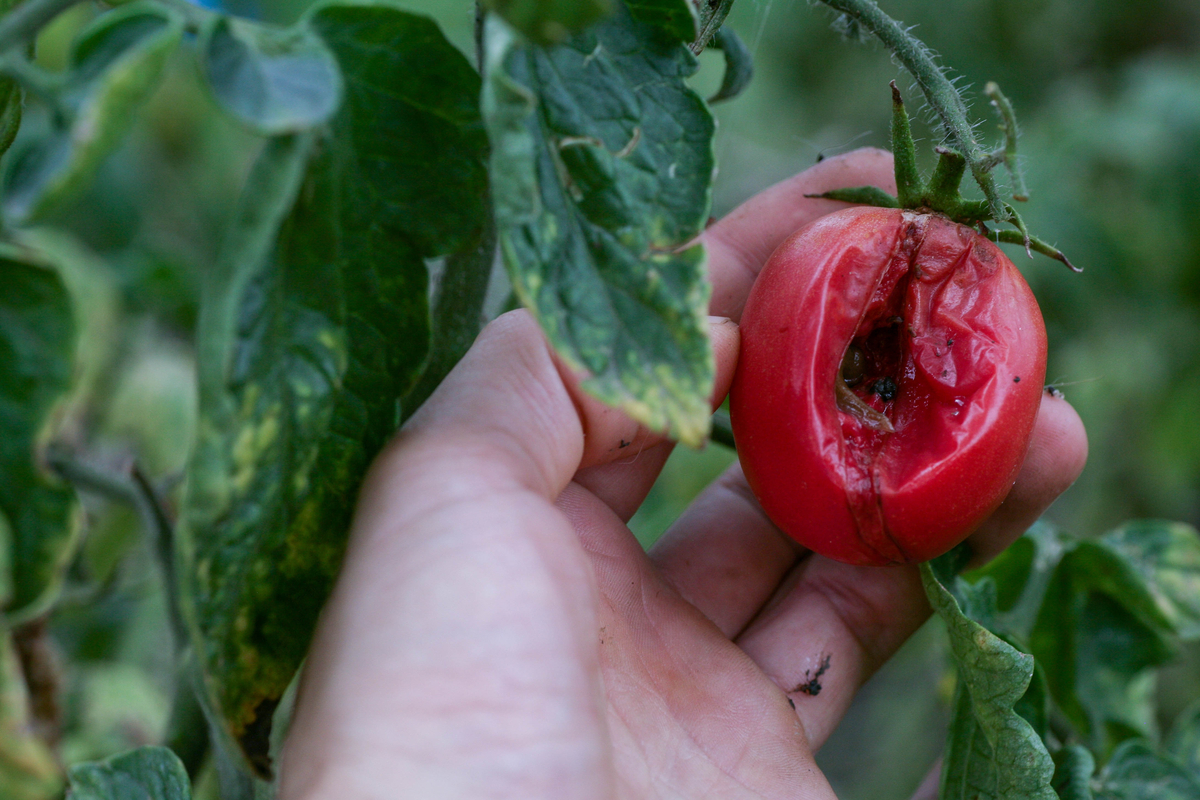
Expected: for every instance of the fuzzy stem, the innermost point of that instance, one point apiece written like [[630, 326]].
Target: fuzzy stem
[[947, 175], [1009, 124], [939, 91], [1032, 243], [909, 186]]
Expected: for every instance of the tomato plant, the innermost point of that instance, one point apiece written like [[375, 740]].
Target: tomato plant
[[889, 378]]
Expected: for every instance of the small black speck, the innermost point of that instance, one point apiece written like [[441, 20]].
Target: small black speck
[[949, 343], [945, 373], [1017, 379], [623, 444], [886, 389], [791, 702]]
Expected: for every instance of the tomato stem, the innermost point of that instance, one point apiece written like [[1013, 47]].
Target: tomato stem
[[942, 193], [939, 91]]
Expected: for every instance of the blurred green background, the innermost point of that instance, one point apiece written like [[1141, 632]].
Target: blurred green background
[[1108, 95]]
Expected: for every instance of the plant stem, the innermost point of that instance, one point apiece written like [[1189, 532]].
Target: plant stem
[[23, 23], [40, 665], [938, 90], [1009, 124], [132, 488]]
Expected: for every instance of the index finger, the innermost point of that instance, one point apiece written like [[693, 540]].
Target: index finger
[[740, 243]]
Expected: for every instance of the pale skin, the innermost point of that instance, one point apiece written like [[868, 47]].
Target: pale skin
[[497, 631]]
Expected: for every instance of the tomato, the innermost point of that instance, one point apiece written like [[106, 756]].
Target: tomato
[[890, 373]]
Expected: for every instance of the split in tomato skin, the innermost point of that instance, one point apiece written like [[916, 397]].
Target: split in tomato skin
[[895, 453]]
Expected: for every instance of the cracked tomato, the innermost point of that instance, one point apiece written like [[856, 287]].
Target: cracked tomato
[[890, 374]]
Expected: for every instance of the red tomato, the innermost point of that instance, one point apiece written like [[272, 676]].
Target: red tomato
[[891, 370]]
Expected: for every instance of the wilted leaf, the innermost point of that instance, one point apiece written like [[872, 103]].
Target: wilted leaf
[[601, 172], [313, 326], [712, 14], [114, 66], [276, 80], [37, 344], [739, 65], [991, 750], [550, 21], [27, 767], [148, 773], [1137, 772]]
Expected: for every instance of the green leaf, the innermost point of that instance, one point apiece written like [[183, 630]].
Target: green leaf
[[1166, 556], [142, 774], [992, 751], [550, 21], [739, 65], [1022, 573], [1105, 622], [1073, 768], [676, 18], [1137, 772], [1184, 740], [37, 345], [601, 172], [27, 767], [275, 80], [115, 65], [314, 324]]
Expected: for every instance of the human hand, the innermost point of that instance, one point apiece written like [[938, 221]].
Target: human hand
[[497, 631]]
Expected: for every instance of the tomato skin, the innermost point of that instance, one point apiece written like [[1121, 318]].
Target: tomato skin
[[937, 308]]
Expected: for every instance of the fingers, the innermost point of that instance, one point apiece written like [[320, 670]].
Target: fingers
[[723, 555], [740, 243], [856, 617], [829, 622], [511, 413]]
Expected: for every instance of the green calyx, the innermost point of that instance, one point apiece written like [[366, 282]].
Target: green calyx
[[941, 193]]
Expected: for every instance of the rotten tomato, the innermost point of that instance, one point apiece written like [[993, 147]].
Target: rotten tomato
[[889, 378]]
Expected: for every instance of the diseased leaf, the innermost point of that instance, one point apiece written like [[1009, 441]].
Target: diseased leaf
[[1073, 768], [739, 65], [37, 345], [1104, 623], [148, 773], [676, 18], [314, 324], [27, 767], [114, 66], [991, 750], [601, 172], [1137, 772], [275, 80], [550, 21]]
